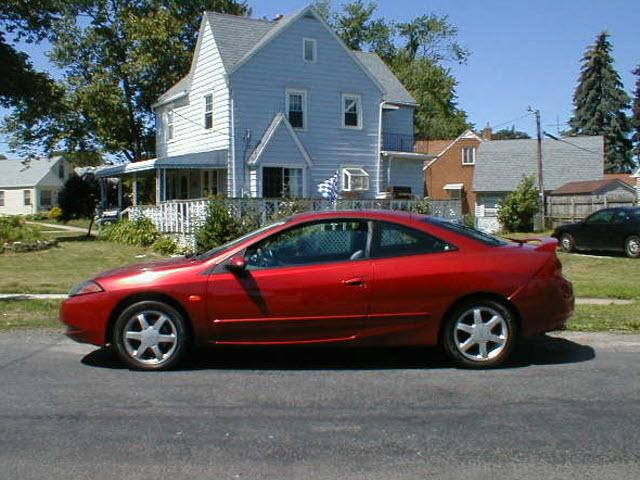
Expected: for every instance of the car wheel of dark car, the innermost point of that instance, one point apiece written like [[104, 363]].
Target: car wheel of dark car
[[150, 335], [567, 243], [632, 246], [479, 334]]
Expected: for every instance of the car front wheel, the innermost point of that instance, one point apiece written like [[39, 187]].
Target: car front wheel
[[150, 335], [632, 246], [480, 334], [567, 243]]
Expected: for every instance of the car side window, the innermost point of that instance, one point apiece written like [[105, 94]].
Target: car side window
[[311, 243], [620, 216], [603, 216], [392, 240]]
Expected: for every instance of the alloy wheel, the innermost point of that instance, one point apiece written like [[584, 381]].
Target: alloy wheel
[[480, 333], [150, 337]]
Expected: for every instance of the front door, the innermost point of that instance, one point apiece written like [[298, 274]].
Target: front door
[[307, 284]]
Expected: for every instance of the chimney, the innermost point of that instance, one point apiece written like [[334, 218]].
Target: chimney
[[487, 133], [278, 17]]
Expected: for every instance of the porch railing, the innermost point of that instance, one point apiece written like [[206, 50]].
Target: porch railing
[[396, 142], [185, 216]]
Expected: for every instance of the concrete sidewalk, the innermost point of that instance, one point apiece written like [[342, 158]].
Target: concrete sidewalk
[[33, 296]]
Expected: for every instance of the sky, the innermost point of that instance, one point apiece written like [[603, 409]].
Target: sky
[[523, 52]]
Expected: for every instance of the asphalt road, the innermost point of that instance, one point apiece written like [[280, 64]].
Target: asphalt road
[[567, 407]]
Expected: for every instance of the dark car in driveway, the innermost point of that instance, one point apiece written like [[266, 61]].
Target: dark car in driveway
[[611, 229]]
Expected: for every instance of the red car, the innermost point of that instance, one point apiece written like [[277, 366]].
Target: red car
[[366, 278]]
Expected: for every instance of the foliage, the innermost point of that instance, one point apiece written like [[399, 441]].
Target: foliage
[[635, 119], [220, 225], [415, 51], [516, 211], [509, 134], [79, 198], [118, 56], [141, 232], [422, 207], [14, 229], [600, 103], [287, 209], [55, 213], [165, 246]]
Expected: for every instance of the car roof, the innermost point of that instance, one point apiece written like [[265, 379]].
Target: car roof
[[369, 214]]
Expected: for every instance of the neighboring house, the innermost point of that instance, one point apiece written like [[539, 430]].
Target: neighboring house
[[27, 187], [450, 174], [501, 165], [272, 109], [636, 175]]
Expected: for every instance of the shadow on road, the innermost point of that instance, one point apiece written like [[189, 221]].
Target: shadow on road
[[542, 350]]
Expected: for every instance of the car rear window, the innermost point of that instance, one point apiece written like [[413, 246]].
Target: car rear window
[[468, 232]]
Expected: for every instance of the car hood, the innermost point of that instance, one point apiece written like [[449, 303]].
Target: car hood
[[151, 266]]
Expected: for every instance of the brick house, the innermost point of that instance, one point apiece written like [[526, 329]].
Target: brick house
[[450, 174]]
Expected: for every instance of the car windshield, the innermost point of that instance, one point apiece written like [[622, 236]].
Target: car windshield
[[467, 232], [226, 246]]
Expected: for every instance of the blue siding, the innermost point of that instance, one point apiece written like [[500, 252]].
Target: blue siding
[[258, 88], [408, 173], [282, 150], [398, 121]]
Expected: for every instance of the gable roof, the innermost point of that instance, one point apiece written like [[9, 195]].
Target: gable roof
[[18, 173], [394, 90], [625, 177], [591, 186], [501, 164], [466, 135], [278, 119], [180, 88]]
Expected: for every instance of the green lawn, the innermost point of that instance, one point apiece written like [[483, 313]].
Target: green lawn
[[57, 269], [29, 314]]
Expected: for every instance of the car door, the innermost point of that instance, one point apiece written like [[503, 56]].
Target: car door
[[307, 284], [595, 233], [412, 278]]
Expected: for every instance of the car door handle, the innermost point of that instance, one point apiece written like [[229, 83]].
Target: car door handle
[[355, 282]]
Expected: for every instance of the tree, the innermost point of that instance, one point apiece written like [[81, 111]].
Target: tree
[[635, 119], [517, 209], [117, 56], [509, 134], [600, 103], [79, 198]]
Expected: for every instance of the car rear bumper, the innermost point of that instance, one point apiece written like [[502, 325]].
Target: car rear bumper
[[86, 318], [545, 305]]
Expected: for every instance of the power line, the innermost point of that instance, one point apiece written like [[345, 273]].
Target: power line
[[511, 121], [569, 143]]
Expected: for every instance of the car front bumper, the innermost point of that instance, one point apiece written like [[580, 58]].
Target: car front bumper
[[86, 317]]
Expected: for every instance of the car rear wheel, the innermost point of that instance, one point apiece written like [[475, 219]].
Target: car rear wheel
[[567, 243], [480, 334], [150, 335], [632, 246]]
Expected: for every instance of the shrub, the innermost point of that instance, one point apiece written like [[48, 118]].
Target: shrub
[[220, 225], [55, 213], [422, 207], [14, 229], [517, 209], [165, 246], [288, 208], [141, 232]]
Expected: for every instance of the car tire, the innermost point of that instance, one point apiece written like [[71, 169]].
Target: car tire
[[567, 243], [632, 246], [156, 327], [480, 333]]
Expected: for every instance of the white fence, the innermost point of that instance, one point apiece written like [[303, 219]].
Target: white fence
[[185, 216]]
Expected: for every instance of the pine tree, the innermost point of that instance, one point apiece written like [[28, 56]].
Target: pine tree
[[635, 119], [600, 103]]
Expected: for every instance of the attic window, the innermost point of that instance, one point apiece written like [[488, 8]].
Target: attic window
[[309, 49], [469, 155], [355, 179], [208, 111], [169, 132]]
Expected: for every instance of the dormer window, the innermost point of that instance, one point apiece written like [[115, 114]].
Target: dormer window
[[469, 155], [208, 111], [309, 49]]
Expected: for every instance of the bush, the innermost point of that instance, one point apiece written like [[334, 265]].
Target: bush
[[422, 207], [517, 209], [220, 225], [165, 246], [55, 213], [287, 209], [14, 229], [141, 232]]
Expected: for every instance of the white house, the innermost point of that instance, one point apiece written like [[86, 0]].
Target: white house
[[27, 187], [273, 108]]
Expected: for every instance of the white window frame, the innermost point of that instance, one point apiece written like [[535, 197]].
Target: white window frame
[[205, 111], [293, 91], [1, 198], [347, 175], [343, 110], [464, 155], [314, 49], [170, 125]]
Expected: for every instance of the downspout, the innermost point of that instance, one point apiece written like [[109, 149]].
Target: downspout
[[379, 162], [233, 146]]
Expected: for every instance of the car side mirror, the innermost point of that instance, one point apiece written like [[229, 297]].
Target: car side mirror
[[237, 264]]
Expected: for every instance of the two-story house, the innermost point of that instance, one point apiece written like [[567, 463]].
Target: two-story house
[[274, 108]]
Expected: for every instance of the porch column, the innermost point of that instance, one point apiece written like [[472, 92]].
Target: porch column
[[389, 170], [119, 193], [134, 190], [103, 193], [158, 181]]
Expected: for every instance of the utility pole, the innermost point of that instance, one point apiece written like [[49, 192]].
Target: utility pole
[[536, 112]]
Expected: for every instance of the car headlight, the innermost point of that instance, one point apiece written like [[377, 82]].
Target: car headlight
[[85, 288]]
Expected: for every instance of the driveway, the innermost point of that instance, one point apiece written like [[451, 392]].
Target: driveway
[[567, 406]]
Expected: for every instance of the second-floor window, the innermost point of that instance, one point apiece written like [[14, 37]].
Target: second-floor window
[[208, 111], [469, 155], [169, 133], [309, 49], [1, 198], [27, 197], [296, 106], [351, 111]]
